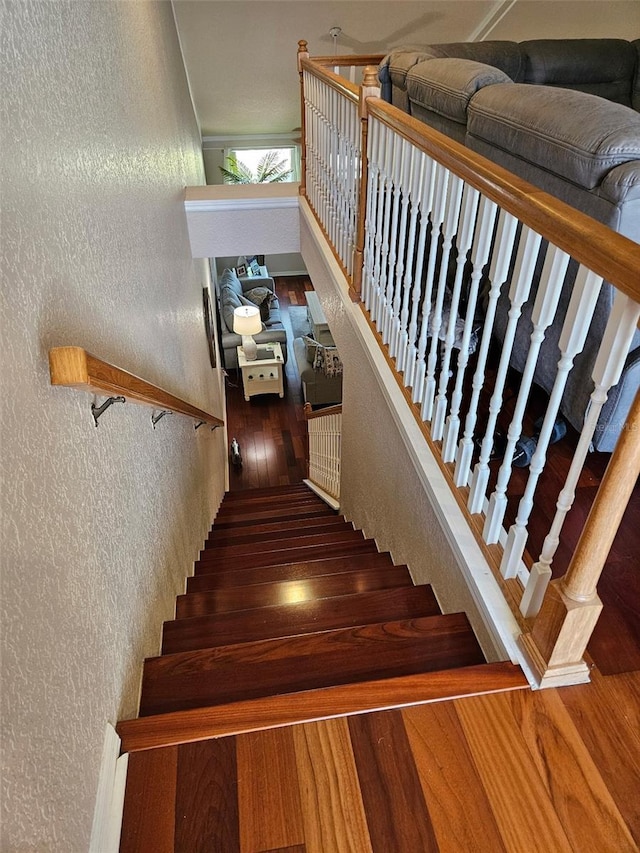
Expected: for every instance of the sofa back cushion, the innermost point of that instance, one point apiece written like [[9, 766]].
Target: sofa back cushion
[[445, 86], [604, 67], [571, 134]]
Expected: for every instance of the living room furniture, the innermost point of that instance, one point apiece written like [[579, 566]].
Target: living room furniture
[[318, 322], [234, 292], [318, 389], [564, 115], [265, 374]]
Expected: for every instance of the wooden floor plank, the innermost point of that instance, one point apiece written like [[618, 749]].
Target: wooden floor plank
[[606, 715], [521, 805], [397, 815], [459, 808], [333, 811], [206, 801], [580, 797], [268, 795], [148, 821]]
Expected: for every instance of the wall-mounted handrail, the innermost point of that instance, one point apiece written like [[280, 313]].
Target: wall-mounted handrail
[[74, 367]]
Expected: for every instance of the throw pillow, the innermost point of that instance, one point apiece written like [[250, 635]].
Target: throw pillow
[[311, 348], [327, 360], [262, 297]]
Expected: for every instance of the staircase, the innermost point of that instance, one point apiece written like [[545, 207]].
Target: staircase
[[293, 615]]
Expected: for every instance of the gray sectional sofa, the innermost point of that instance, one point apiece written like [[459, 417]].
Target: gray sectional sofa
[[565, 116], [233, 292]]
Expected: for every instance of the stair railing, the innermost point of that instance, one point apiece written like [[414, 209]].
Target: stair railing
[[440, 229], [74, 367], [324, 432]]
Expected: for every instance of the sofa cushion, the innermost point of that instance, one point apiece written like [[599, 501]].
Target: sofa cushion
[[231, 280], [446, 86], [229, 301], [603, 67], [577, 136]]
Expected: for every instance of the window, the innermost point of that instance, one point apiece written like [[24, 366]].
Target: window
[[285, 159]]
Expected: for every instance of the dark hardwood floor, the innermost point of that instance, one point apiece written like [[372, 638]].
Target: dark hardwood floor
[[272, 437]]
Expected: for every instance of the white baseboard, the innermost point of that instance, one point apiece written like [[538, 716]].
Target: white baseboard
[[107, 816]]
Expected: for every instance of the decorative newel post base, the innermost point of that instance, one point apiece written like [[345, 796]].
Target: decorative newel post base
[[555, 646]]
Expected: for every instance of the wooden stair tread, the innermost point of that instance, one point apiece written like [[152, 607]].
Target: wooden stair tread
[[242, 494], [344, 534], [277, 530], [282, 592], [268, 667], [240, 519], [324, 703], [288, 571], [249, 507], [200, 632], [285, 555]]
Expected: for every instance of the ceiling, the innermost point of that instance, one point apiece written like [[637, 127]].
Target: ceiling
[[240, 55]]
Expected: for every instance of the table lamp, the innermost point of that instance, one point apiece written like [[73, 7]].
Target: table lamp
[[247, 322]]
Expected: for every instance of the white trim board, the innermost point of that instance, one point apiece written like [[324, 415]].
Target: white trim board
[[107, 815]]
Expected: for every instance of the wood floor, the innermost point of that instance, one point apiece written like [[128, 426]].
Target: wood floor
[[513, 772], [518, 772]]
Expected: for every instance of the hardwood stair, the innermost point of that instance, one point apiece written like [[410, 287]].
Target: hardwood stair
[[292, 615]]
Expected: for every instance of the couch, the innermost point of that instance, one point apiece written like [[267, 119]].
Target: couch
[[321, 385], [564, 115], [256, 290]]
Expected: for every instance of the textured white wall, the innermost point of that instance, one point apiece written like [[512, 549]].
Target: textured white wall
[[99, 526]]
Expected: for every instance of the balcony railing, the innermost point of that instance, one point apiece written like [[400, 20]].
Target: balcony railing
[[438, 243]]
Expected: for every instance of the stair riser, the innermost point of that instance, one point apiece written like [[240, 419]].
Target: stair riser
[[346, 534], [279, 530], [270, 516], [443, 646], [201, 632], [265, 491], [289, 571], [271, 594], [290, 555], [251, 508]]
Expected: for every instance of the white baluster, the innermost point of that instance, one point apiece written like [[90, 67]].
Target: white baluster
[[454, 197], [544, 310], [481, 471], [424, 193], [470, 199], [410, 285], [390, 231], [518, 294], [607, 370], [441, 181], [382, 206], [400, 240], [373, 187], [487, 213]]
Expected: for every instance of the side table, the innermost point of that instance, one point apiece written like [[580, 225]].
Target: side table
[[264, 375]]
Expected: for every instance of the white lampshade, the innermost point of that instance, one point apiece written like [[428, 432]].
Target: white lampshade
[[246, 320]]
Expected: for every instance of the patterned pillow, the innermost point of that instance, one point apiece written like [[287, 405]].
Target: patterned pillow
[[327, 360], [262, 297]]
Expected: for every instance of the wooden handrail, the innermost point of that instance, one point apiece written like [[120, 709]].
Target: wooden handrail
[[319, 413], [607, 253], [74, 367], [344, 87]]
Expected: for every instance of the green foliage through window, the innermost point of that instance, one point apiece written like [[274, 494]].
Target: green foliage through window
[[271, 168]]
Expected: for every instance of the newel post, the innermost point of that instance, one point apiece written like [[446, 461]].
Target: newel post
[[370, 88], [571, 606], [303, 53]]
